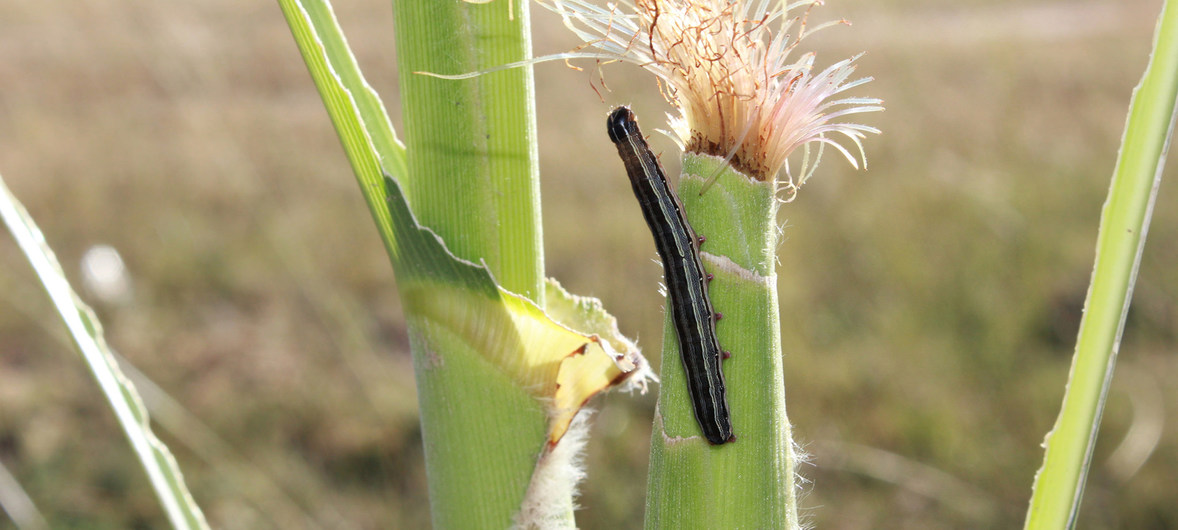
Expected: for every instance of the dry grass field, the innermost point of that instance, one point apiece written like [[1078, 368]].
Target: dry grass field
[[929, 304]]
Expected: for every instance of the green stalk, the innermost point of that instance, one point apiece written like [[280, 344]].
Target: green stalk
[[473, 173], [469, 168], [472, 178], [1059, 484], [748, 483]]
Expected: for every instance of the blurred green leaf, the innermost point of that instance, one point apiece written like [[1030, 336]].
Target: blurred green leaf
[[1059, 484], [157, 460]]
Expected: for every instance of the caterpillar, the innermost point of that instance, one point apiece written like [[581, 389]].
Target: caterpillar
[[683, 272]]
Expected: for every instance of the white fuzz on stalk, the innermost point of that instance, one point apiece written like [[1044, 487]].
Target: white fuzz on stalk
[[559, 470]]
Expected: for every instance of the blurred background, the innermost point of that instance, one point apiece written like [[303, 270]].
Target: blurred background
[[182, 165]]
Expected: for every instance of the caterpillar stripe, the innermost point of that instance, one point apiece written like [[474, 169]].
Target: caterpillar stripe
[[686, 280]]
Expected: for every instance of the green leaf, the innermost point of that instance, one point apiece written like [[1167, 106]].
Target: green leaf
[[86, 331], [1059, 484], [359, 116], [567, 357]]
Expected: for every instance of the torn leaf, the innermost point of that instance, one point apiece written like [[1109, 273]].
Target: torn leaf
[[563, 357]]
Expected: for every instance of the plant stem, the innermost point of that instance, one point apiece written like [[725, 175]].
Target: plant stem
[[747, 483], [472, 179], [473, 172]]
